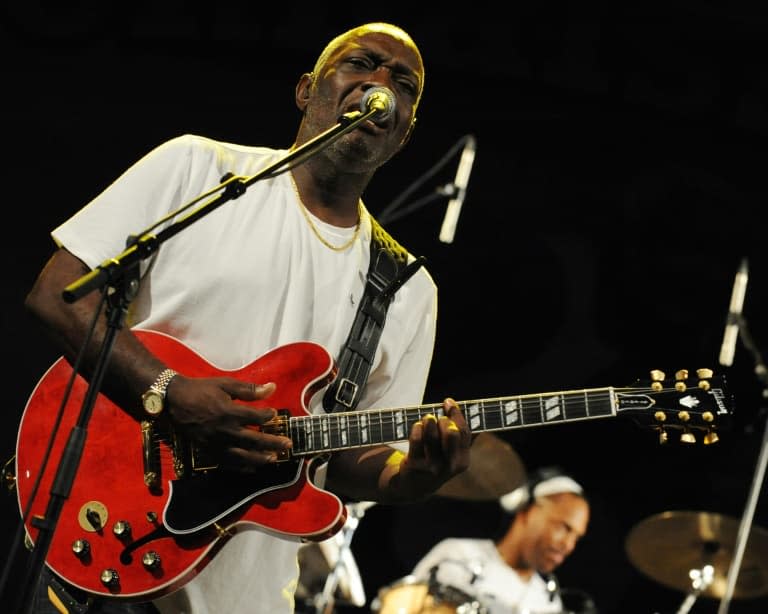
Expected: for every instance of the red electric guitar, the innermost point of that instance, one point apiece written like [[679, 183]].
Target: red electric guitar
[[147, 510]]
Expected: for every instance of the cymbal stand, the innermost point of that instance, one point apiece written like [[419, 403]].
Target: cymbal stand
[[700, 581], [324, 602], [757, 481]]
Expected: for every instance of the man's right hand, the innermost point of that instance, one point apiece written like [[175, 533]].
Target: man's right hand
[[205, 409]]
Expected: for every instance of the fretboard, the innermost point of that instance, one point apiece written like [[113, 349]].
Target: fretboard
[[314, 434]]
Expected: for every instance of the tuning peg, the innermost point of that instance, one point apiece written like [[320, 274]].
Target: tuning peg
[[704, 376], [656, 378], [687, 437], [680, 377], [710, 437], [663, 436]]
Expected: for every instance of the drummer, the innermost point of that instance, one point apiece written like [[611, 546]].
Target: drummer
[[513, 572]]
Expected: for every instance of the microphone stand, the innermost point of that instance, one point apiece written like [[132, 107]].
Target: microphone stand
[[395, 209], [121, 273], [757, 480]]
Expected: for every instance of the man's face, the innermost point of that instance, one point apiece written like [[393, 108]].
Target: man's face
[[357, 64], [554, 525]]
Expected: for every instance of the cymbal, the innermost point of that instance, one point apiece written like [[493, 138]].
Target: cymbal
[[668, 545], [494, 470]]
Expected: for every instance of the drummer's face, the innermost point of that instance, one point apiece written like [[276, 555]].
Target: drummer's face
[[556, 524]]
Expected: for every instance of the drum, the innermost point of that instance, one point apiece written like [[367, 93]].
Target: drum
[[410, 596], [576, 601]]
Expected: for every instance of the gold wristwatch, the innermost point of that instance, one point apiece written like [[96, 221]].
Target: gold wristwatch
[[153, 399]]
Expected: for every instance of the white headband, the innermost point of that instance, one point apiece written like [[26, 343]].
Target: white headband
[[513, 501]]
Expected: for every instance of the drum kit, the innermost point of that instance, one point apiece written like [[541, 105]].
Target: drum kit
[[688, 551]]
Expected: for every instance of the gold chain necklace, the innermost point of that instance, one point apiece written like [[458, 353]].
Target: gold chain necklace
[[336, 248]]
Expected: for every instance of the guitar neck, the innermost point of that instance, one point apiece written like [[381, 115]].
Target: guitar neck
[[313, 434]]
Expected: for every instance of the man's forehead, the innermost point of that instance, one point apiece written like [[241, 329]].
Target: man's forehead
[[379, 42], [561, 501]]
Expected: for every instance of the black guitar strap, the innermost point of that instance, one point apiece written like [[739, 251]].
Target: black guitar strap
[[388, 270]]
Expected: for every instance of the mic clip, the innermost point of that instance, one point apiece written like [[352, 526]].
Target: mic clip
[[348, 118], [449, 189]]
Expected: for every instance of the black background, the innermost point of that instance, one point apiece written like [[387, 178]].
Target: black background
[[618, 182]]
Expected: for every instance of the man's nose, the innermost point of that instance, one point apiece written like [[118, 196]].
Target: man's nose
[[381, 75]]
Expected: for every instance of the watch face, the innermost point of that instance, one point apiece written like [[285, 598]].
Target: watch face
[[153, 403]]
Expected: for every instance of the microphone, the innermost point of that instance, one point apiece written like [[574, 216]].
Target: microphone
[[378, 99], [459, 191], [728, 347]]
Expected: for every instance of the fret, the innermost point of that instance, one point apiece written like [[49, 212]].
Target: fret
[[552, 408], [512, 415], [352, 425], [387, 426], [364, 429], [564, 406], [400, 425], [296, 433], [310, 433], [374, 426], [499, 422], [341, 427], [472, 416], [325, 441]]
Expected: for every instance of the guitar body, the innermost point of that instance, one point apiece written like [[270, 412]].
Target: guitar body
[[204, 509]]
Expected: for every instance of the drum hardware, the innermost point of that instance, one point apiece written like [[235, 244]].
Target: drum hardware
[[692, 552], [333, 561], [494, 470], [409, 595], [700, 581], [576, 601]]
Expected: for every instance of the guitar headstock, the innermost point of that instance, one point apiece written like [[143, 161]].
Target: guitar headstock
[[684, 405]]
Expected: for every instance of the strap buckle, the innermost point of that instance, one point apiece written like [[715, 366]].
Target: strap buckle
[[348, 390]]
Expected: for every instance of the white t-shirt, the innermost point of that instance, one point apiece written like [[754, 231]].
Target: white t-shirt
[[475, 568], [246, 278]]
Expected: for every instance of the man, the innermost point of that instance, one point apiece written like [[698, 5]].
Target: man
[[513, 573], [285, 262]]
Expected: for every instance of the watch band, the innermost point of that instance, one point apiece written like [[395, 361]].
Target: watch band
[[162, 381]]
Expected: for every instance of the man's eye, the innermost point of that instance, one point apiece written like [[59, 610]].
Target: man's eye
[[359, 62], [407, 87]]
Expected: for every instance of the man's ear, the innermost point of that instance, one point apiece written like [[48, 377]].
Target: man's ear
[[303, 88]]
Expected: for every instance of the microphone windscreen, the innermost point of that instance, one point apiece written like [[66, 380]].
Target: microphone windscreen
[[379, 98]]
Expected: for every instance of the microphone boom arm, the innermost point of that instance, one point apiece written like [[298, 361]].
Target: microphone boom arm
[[231, 187]]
